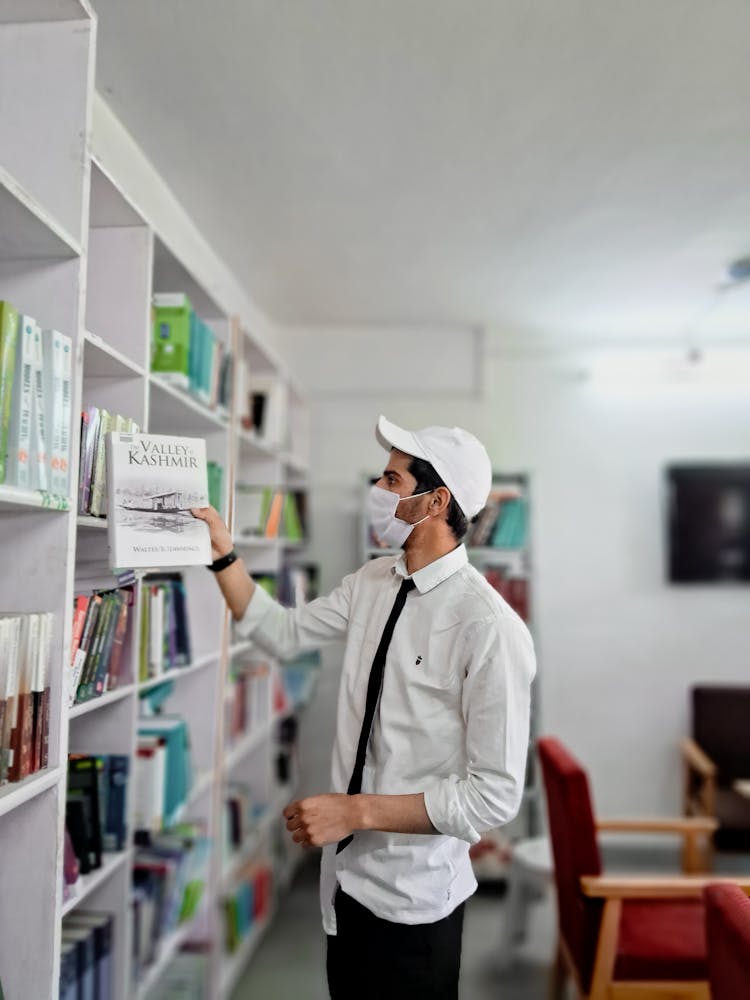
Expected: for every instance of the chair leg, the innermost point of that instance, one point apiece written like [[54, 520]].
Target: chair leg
[[558, 976]]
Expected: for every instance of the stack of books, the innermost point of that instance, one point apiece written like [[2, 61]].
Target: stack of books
[[188, 354], [86, 966], [247, 904], [165, 629], [265, 512], [96, 423], [96, 809], [36, 369], [25, 646], [169, 877], [100, 628], [164, 773]]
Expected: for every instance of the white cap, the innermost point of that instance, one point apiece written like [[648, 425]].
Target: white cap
[[457, 456]]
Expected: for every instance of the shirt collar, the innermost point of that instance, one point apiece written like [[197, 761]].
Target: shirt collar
[[435, 572]]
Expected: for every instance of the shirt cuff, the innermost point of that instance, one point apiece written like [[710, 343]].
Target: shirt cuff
[[442, 802], [259, 606]]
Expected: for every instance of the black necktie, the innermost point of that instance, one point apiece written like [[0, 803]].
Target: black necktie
[[373, 691]]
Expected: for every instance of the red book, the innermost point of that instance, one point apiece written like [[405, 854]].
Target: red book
[[113, 671], [79, 617]]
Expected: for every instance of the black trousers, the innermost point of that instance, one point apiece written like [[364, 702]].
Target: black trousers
[[375, 959]]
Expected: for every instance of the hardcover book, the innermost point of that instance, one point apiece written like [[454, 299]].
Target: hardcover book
[[153, 482]]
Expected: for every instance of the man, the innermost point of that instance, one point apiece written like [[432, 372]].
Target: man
[[433, 720]]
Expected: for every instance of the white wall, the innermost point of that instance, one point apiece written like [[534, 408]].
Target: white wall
[[618, 648]]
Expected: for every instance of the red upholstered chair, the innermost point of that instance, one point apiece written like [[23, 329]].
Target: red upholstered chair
[[728, 937], [620, 938]]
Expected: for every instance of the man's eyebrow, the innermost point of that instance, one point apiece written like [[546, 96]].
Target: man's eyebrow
[[391, 472]]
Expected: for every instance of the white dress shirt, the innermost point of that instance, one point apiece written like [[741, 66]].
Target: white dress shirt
[[452, 722]]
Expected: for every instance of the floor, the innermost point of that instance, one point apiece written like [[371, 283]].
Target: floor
[[290, 961]]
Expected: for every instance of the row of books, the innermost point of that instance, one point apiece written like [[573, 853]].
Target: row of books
[[503, 523], [513, 589], [164, 628], [86, 966], [248, 903], [96, 424], [265, 512], [163, 770], [188, 354], [293, 586], [96, 809], [100, 626], [170, 871], [25, 647], [36, 369], [247, 699]]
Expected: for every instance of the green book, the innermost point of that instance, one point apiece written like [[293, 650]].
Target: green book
[[8, 339], [290, 517], [171, 341]]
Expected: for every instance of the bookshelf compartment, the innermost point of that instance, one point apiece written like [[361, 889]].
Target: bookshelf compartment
[[19, 793], [86, 885], [46, 67], [101, 360], [26, 232], [28, 899], [174, 411]]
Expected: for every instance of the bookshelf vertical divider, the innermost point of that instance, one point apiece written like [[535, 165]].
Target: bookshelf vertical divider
[[79, 254]]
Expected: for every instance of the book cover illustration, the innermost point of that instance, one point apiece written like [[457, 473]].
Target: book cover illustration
[[153, 481]]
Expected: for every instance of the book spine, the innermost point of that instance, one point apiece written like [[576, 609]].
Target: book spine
[[98, 499], [66, 360], [88, 680], [39, 477], [93, 424], [113, 673], [19, 434], [102, 666], [8, 340], [84, 650], [52, 361]]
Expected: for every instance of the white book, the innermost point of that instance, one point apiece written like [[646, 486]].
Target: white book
[[67, 375], [149, 786], [53, 406], [153, 481], [171, 300], [156, 638], [39, 469], [18, 467]]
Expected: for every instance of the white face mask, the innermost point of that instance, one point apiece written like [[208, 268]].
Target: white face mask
[[381, 508]]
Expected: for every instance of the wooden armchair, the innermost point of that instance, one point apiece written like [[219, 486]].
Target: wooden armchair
[[621, 938], [716, 762]]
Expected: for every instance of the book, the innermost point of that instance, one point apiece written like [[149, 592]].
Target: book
[[154, 481], [8, 341], [171, 339], [98, 490], [83, 941], [99, 926], [84, 785], [172, 731], [67, 375], [39, 459], [18, 467], [52, 354], [114, 830]]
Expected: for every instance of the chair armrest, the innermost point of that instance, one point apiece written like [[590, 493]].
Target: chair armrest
[[683, 825], [697, 759], [685, 887]]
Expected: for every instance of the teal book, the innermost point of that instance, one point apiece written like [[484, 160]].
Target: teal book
[[173, 732], [195, 353], [8, 339]]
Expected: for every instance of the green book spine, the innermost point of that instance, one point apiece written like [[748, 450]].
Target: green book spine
[[171, 340], [292, 526], [8, 339]]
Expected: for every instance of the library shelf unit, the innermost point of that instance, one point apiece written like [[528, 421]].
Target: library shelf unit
[[83, 248]]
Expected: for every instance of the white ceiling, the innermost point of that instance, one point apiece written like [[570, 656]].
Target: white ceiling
[[552, 168]]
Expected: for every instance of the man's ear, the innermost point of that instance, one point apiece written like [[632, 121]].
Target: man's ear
[[441, 498]]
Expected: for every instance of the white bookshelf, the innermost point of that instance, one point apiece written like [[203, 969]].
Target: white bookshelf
[[83, 248]]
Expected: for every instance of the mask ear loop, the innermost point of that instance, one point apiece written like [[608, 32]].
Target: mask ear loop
[[424, 493]]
